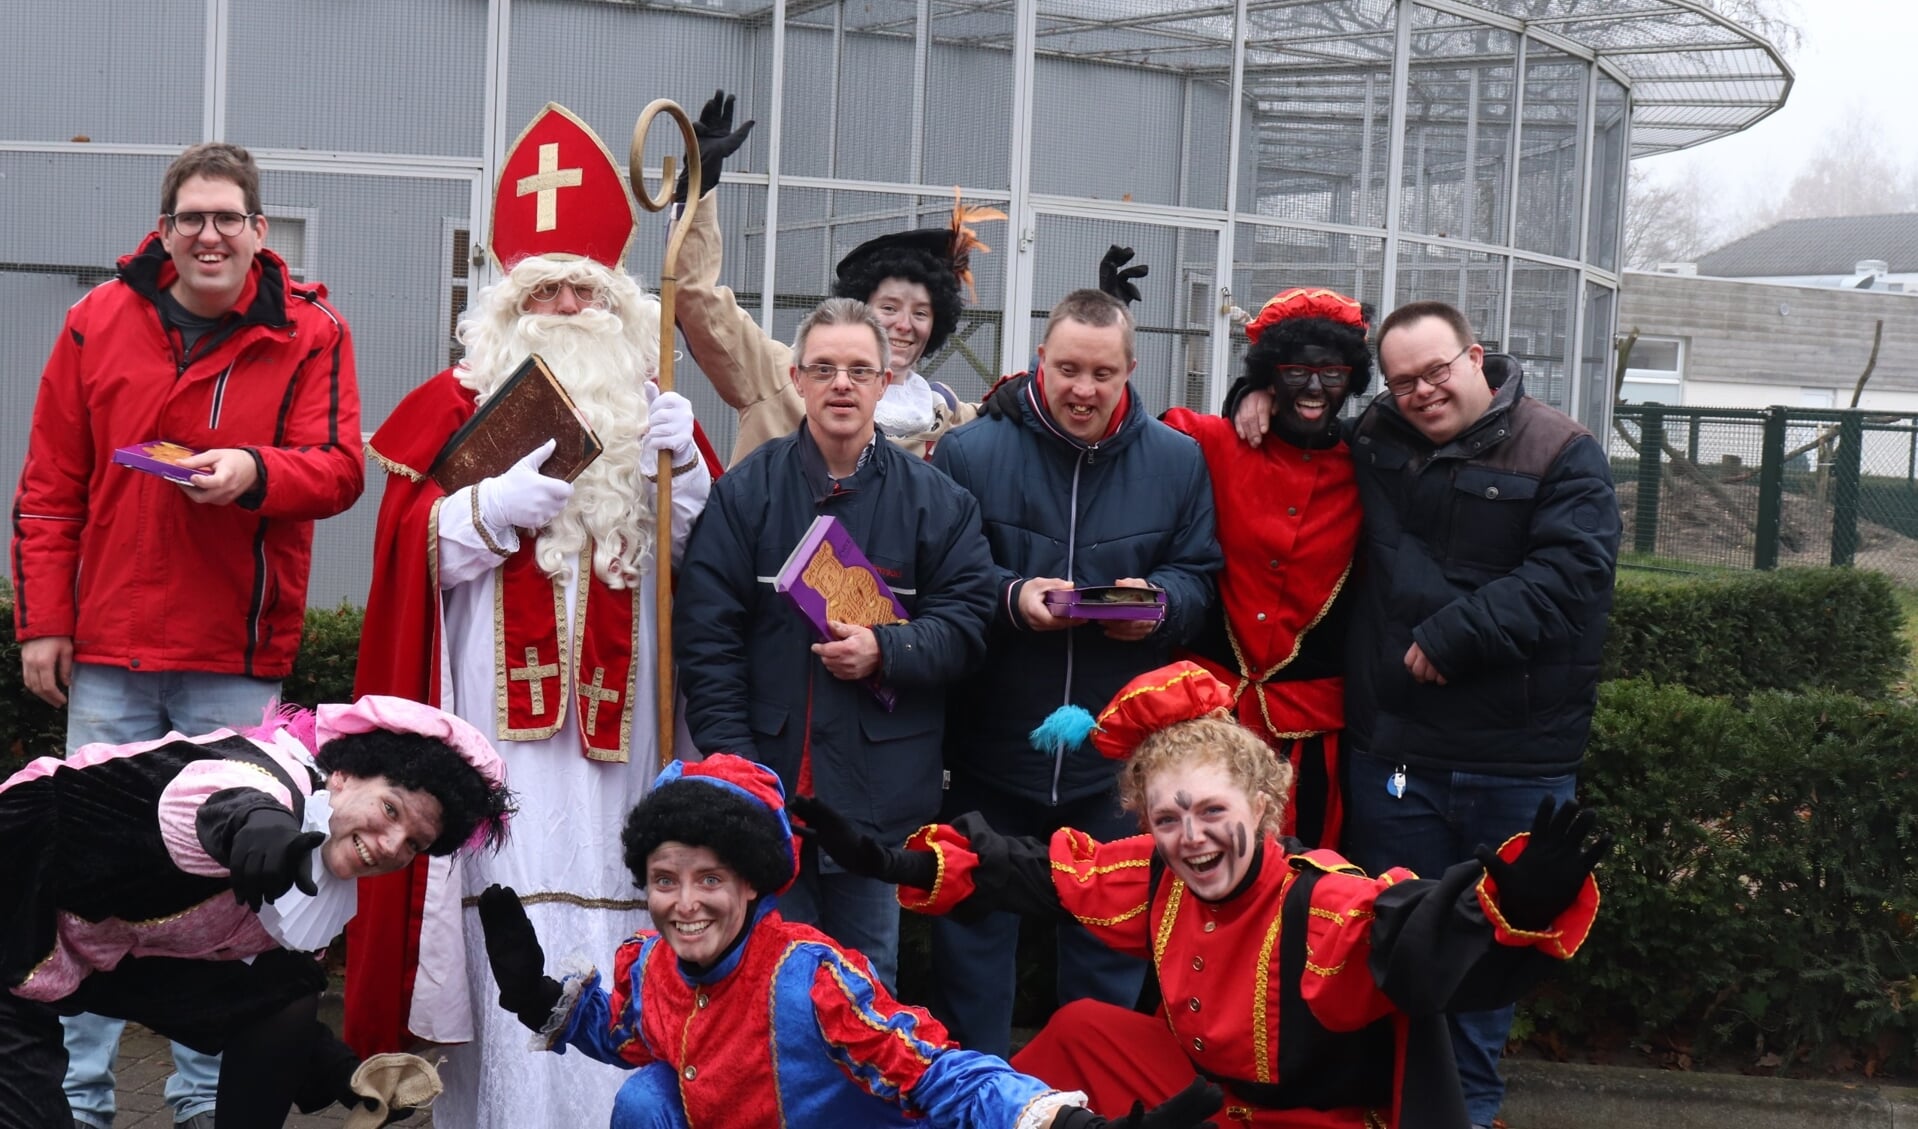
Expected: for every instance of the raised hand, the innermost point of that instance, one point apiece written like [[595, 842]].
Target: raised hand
[[858, 852], [1545, 879], [270, 856], [1117, 279], [520, 497], [519, 964], [717, 141]]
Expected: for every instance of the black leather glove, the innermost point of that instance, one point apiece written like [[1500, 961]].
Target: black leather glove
[[861, 853], [717, 141], [1119, 282], [270, 855], [1188, 1109], [1545, 879], [518, 962]]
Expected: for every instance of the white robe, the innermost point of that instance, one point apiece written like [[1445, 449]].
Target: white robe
[[562, 856]]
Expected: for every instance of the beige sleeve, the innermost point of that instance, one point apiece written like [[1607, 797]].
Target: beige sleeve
[[748, 369]]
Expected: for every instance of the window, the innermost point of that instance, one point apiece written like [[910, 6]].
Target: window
[[457, 248], [1656, 372], [290, 234]]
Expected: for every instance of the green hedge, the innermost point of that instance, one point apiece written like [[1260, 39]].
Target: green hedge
[[1740, 633], [1761, 897]]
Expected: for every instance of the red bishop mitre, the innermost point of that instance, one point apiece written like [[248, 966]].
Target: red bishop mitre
[[1155, 700], [1306, 302], [561, 194]]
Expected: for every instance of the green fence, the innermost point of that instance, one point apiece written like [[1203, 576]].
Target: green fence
[[1760, 488]]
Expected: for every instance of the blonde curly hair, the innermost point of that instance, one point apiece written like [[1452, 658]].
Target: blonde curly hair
[[1251, 764]]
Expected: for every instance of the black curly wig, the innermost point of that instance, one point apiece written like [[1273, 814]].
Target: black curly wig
[[409, 760], [1289, 338], [905, 256], [740, 830]]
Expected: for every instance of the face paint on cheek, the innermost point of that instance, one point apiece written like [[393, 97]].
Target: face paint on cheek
[[1238, 832]]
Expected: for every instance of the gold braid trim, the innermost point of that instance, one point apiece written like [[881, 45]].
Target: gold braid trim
[[1153, 689], [567, 899], [391, 467], [1246, 677], [1166, 919], [1261, 984], [1126, 916]]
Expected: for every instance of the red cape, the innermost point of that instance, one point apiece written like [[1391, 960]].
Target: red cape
[[399, 655]]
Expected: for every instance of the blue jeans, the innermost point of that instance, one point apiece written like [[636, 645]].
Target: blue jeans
[[1441, 820], [859, 913], [118, 706], [976, 964]]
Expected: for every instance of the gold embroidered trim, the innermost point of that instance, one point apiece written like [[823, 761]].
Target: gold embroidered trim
[[1333, 916], [938, 876], [535, 733], [1126, 916], [1083, 874], [479, 525], [1298, 643], [1322, 970], [391, 467], [1261, 985], [555, 896], [1124, 698], [1166, 920]]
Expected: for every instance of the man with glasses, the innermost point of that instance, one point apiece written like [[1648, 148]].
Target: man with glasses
[[1288, 524], [758, 683], [1491, 537], [147, 605]]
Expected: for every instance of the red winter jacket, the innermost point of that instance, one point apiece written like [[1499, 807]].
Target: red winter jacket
[[140, 576]]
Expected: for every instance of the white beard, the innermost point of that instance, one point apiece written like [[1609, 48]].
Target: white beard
[[604, 369]]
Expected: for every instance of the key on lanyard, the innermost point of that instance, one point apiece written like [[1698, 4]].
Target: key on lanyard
[[1396, 784]]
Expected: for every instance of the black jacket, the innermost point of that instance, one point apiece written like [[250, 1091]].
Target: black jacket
[[1496, 554], [752, 684], [1144, 509]]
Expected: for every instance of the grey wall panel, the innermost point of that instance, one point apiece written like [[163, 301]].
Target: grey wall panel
[[358, 76], [1107, 132], [108, 70], [77, 209]]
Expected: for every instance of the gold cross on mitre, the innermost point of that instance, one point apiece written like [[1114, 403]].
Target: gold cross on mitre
[[560, 195]]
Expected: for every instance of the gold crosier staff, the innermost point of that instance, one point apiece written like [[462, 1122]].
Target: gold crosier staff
[[668, 292]]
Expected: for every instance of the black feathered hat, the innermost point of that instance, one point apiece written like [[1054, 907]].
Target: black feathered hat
[[938, 258]]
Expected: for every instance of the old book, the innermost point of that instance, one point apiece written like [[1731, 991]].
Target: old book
[[158, 456], [1107, 601], [826, 578], [530, 408]]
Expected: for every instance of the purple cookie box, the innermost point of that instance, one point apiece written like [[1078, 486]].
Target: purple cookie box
[[136, 456], [807, 600], [1065, 603]]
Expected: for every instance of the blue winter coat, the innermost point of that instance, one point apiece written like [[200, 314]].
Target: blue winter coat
[[1496, 553], [753, 686], [1138, 503]]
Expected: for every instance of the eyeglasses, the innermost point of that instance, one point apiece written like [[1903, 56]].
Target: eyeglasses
[[1331, 377], [585, 293], [1434, 376], [226, 223], [822, 373]]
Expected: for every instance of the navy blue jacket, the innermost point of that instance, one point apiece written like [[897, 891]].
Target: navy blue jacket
[[753, 686], [1495, 553], [1138, 503]]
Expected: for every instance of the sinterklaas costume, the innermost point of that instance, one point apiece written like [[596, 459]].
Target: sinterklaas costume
[[559, 673]]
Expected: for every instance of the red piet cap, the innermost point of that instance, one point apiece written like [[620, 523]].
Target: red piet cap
[[1155, 700], [560, 194], [1305, 302]]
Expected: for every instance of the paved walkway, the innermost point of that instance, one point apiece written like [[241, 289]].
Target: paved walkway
[[141, 1075]]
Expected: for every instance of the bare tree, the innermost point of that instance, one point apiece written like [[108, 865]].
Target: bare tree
[[1853, 172], [1667, 221]]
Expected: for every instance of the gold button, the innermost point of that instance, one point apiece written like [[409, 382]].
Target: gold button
[[1198, 964], [690, 1073], [1210, 926], [1198, 1044], [700, 999], [1193, 1003]]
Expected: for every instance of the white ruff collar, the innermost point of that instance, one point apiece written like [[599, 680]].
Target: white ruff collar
[[909, 407]]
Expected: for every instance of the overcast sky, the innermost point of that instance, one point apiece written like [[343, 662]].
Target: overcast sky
[[1858, 57]]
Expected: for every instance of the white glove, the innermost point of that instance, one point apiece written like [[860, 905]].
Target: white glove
[[669, 428], [521, 497]]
